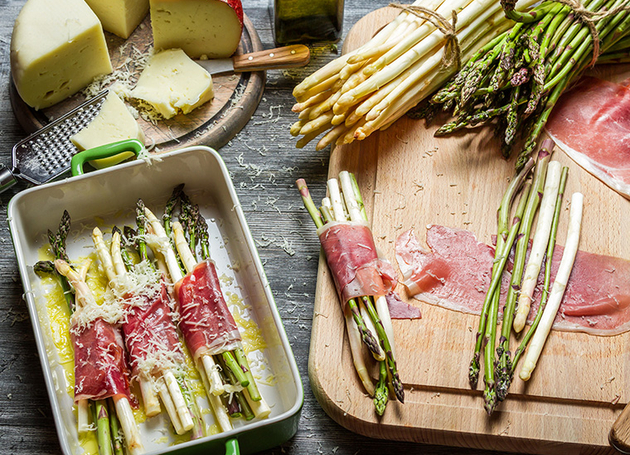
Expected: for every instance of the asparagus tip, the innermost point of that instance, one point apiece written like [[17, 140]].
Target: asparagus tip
[[473, 371], [490, 400], [380, 400]]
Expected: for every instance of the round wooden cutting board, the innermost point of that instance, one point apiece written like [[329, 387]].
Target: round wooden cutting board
[[236, 96]]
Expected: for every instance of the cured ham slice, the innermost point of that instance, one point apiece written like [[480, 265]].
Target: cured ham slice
[[455, 274], [399, 309], [353, 261], [150, 334], [100, 370], [205, 320], [591, 123]]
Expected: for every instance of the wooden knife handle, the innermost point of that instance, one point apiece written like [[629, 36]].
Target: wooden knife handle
[[619, 436], [281, 57]]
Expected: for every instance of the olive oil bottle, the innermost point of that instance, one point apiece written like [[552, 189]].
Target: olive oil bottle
[[300, 21]]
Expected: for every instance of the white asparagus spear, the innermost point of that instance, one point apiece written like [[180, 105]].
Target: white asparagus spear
[[179, 401], [83, 420], [557, 289], [539, 245], [335, 199], [171, 410], [162, 245], [83, 406], [128, 425]]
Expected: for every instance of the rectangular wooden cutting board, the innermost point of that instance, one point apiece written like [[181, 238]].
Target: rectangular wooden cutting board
[[410, 179]]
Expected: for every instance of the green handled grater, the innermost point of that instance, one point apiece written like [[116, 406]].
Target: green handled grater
[[46, 154]]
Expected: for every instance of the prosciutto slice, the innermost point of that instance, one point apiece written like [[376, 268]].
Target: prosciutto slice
[[455, 274], [150, 334], [591, 123], [100, 370], [205, 320], [353, 261]]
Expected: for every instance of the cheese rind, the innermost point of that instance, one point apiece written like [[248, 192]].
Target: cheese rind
[[120, 17], [200, 27], [57, 48], [173, 83], [113, 123]]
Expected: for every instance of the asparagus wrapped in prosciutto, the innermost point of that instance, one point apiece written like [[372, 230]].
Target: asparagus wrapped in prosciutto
[[361, 278], [100, 369], [208, 327], [150, 335]]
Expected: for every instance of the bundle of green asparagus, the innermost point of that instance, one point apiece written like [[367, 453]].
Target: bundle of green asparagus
[[543, 196], [516, 79], [351, 255], [369, 88]]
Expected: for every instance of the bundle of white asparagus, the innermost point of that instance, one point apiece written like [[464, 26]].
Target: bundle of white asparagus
[[369, 88]]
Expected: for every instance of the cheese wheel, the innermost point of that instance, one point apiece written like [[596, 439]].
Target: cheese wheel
[[120, 17], [173, 83], [210, 28], [57, 48], [113, 123]]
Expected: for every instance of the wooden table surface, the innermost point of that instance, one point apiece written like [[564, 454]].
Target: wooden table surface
[[264, 164]]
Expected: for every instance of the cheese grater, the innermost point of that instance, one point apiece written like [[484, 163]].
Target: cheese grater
[[46, 154]]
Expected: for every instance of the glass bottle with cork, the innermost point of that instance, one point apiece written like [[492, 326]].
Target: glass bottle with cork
[[303, 21]]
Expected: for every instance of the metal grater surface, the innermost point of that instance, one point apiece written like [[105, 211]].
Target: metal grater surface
[[46, 154]]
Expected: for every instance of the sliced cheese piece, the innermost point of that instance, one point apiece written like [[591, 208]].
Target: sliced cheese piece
[[120, 17], [173, 83], [57, 48], [113, 123], [200, 27]]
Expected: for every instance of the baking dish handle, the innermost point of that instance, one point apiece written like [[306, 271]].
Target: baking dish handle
[[104, 151], [231, 447]]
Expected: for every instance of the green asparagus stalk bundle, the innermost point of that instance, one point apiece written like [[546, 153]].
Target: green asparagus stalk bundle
[[367, 318], [516, 79], [540, 199]]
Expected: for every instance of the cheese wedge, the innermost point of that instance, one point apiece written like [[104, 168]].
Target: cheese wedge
[[210, 28], [57, 48], [113, 123], [173, 83], [120, 17]]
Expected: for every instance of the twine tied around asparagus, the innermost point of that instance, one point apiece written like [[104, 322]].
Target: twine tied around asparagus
[[452, 53], [587, 17], [590, 18]]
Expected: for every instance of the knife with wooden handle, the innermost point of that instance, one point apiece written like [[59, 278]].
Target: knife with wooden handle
[[619, 436], [293, 56]]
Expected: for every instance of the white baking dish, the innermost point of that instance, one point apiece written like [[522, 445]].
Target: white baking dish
[[108, 197]]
